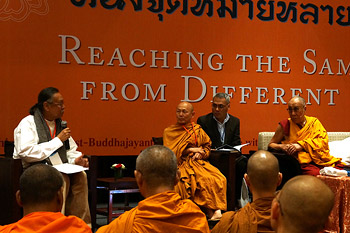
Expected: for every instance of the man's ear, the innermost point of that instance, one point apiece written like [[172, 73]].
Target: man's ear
[[18, 198], [193, 113], [139, 178], [275, 210], [60, 199], [177, 177], [246, 177], [280, 176], [46, 106], [275, 213]]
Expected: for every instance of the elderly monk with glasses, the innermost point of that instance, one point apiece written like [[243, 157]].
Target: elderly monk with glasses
[[303, 138]]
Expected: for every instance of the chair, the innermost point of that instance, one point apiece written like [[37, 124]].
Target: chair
[[289, 166], [265, 137], [157, 140], [9, 148]]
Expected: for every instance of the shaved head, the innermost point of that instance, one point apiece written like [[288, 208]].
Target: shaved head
[[184, 113], [305, 203], [297, 99], [263, 171], [39, 184], [158, 166], [186, 105]]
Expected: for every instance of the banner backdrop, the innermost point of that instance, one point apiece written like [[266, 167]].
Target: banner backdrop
[[124, 65]]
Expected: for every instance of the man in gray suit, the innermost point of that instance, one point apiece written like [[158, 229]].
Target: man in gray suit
[[221, 127]]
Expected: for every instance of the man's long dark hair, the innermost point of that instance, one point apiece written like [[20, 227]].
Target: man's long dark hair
[[44, 95]]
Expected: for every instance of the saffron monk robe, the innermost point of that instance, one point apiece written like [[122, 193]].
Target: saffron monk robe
[[199, 181], [304, 138], [262, 178], [41, 196], [162, 210]]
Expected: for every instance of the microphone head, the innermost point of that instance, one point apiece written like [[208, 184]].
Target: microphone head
[[64, 124]]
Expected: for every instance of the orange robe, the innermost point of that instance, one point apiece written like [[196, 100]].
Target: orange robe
[[47, 222], [200, 181], [252, 218], [163, 212], [314, 140]]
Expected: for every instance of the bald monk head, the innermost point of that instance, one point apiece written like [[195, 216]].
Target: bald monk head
[[184, 113], [263, 174], [156, 170], [40, 189], [297, 109], [303, 205]]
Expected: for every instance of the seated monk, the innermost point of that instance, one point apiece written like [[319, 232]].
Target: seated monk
[[199, 181], [304, 138], [41, 196], [302, 206], [162, 210], [262, 178]]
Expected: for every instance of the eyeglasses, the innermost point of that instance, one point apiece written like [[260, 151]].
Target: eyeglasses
[[57, 104], [295, 109], [220, 106]]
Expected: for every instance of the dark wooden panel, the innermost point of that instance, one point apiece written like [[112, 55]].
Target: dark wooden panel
[[10, 171], [225, 161], [100, 167]]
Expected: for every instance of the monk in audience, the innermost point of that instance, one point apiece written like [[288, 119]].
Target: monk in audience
[[262, 178], [199, 180], [162, 210], [41, 196], [304, 138], [302, 206]]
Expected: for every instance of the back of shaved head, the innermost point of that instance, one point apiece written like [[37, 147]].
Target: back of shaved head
[[39, 184], [305, 203], [158, 166], [263, 171]]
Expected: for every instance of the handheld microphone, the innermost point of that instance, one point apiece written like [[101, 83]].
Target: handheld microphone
[[66, 143], [64, 124]]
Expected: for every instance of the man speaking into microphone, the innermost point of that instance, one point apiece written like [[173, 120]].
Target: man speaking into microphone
[[42, 137]]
